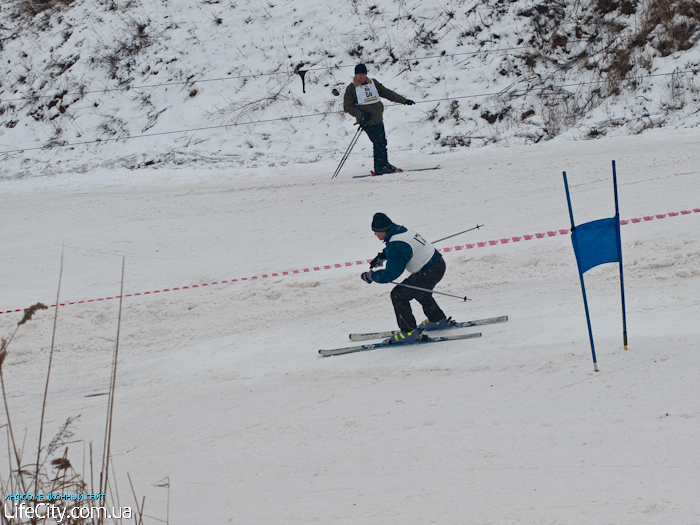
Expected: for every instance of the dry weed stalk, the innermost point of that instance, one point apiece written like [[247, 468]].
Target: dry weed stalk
[[31, 8], [112, 388], [28, 314], [48, 373]]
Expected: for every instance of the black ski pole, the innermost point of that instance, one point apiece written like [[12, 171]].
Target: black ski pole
[[430, 291], [460, 233], [347, 152]]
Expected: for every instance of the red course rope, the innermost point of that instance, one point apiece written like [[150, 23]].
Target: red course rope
[[342, 265]]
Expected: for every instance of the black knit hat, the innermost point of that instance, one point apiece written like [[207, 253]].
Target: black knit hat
[[381, 223], [360, 69]]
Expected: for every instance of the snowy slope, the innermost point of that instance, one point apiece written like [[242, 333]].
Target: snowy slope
[[221, 389]]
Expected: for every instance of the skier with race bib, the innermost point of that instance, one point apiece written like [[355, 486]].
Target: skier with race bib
[[362, 101], [408, 250]]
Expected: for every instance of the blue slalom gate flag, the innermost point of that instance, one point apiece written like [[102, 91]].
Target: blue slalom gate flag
[[596, 242]]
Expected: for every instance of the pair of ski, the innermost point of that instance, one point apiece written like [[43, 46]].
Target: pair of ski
[[423, 340], [398, 170]]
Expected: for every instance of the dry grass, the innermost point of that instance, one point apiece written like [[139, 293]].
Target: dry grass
[[32, 8], [52, 474], [671, 25]]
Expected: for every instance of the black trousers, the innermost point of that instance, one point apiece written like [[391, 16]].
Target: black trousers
[[377, 135], [401, 296]]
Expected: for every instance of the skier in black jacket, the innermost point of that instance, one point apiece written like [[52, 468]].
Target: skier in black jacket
[[361, 100], [408, 250]]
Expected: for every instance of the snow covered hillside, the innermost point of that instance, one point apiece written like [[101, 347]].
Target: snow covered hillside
[[134, 83], [242, 259]]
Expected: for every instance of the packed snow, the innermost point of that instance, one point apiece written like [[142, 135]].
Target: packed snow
[[221, 390]]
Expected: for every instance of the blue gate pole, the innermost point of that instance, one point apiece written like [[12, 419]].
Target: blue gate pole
[[583, 286], [619, 258]]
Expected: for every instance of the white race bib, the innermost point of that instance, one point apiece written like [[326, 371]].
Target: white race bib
[[367, 94], [423, 251]]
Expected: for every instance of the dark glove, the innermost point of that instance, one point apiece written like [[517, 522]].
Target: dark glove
[[367, 277], [409, 102], [378, 260], [366, 117]]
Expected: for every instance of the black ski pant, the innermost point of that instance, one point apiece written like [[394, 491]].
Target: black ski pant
[[377, 135], [401, 296]]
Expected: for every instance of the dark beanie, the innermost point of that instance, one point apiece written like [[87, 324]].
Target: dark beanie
[[381, 223], [360, 69]]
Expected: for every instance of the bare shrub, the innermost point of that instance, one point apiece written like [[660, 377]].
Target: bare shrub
[[425, 38], [595, 133], [454, 110], [432, 114], [119, 57], [454, 141], [671, 25], [113, 126], [561, 109], [626, 7], [245, 108], [619, 67], [679, 91], [55, 139], [527, 114], [613, 42], [497, 116], [356, 52], [32, 8]]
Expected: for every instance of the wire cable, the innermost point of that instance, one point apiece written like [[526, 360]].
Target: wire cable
[[542, 92], [274, 73]]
